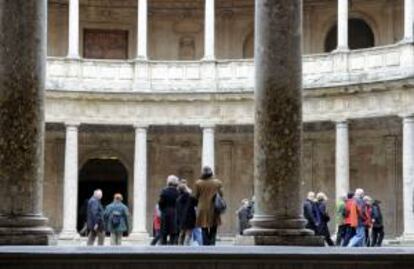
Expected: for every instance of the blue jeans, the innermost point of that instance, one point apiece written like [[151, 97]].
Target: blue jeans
[[359, 238]]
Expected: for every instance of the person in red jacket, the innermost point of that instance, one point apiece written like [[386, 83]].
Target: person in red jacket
[[350, 223], [156, 225]]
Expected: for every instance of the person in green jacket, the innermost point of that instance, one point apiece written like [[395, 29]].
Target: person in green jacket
[[340, 220], [116, 218]]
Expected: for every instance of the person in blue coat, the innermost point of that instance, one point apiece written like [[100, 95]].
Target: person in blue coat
[[116, 219], [94, 219]]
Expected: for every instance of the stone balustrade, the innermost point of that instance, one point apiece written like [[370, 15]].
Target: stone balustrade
[[392, 62]]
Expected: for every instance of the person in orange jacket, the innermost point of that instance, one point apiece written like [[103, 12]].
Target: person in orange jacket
[[348, 221]]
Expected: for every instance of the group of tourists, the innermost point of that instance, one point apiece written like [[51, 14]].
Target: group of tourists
[[113, 219], [189, 217], [358, 217]]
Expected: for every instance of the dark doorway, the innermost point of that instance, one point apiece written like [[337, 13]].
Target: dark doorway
[[109, 175], [360, 36], [105, 44]]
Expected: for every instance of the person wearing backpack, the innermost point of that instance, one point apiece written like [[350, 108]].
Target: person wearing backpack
[[209, 193], [116, 216]]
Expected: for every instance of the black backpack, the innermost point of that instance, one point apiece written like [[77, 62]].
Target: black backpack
[[116, 218]]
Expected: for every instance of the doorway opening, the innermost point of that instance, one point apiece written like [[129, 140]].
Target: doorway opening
[[109, 175]]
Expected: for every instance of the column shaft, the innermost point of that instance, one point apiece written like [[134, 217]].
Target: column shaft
[[70, 183], [142, 32], [140, 181], [278, 126], [409, 20], [408, 175], [73, 47], [342, 25], [342, 159], [22, 84], [208, 147], [209, 30]]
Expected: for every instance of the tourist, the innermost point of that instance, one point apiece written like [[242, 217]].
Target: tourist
[[156, 225], [95, 219], [349, 219], [367, 219], [186, 214], [357, 213], [322, 228], [116, 219], [377, 224], [244, 214], [310, 212], [340, 220], [167, 204], [206, 189]]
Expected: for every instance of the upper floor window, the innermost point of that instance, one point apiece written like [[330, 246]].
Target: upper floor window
[[360, 36], [105, 44]]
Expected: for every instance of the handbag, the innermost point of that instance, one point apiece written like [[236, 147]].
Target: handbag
[[220, 205]]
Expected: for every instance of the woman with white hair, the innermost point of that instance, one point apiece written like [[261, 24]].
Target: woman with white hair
[[323, 228], [167, 205]]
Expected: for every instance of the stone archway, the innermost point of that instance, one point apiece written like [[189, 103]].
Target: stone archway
[[109, 174], [360, 33]]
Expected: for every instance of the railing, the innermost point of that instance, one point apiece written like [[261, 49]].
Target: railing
[[320, 70]]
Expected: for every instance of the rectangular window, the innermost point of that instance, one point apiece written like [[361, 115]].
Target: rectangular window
[[105, 44]]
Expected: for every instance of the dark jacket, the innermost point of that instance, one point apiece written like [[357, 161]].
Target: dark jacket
[[324, 217], [186, 211], [121, 210], [95, 213], [309, 212], [167, 205], [376, 215], [244, 214]]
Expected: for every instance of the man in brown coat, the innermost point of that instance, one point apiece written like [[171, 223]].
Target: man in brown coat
[[205, 190]]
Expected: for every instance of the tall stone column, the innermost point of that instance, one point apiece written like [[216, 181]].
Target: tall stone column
[[139, 217], [408, 21], [342, 25], [70, 182], [22, 84], [142, 34], [73, 48], [207, 158], [342, 159], [278, 127], [209, 30], [408, 176]]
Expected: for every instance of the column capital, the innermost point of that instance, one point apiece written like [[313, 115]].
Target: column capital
[[72, 124], [208, 126], [141, 126], [407, 116], [341, 123]]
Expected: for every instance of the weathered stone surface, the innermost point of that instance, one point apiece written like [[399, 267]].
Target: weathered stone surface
[[278, 125], [22, 83]]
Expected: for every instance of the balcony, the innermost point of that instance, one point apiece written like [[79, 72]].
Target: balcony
[[394, 62]]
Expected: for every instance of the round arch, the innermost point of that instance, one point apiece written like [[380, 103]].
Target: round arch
[[108, 174], [332, 23], [248, 45]]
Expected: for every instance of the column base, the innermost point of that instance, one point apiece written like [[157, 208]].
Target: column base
[[25, 230], [270, 230], [280, 240], [69, 235], [138, 236]]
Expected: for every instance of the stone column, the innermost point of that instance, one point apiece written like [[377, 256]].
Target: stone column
[[70, 182], [278, 127], [207, 158], [408, 176], [408, 21], [342, 25], [142, 26], [22, 84], [209, 30], [140, 183], [342, 159], [73, 48]]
